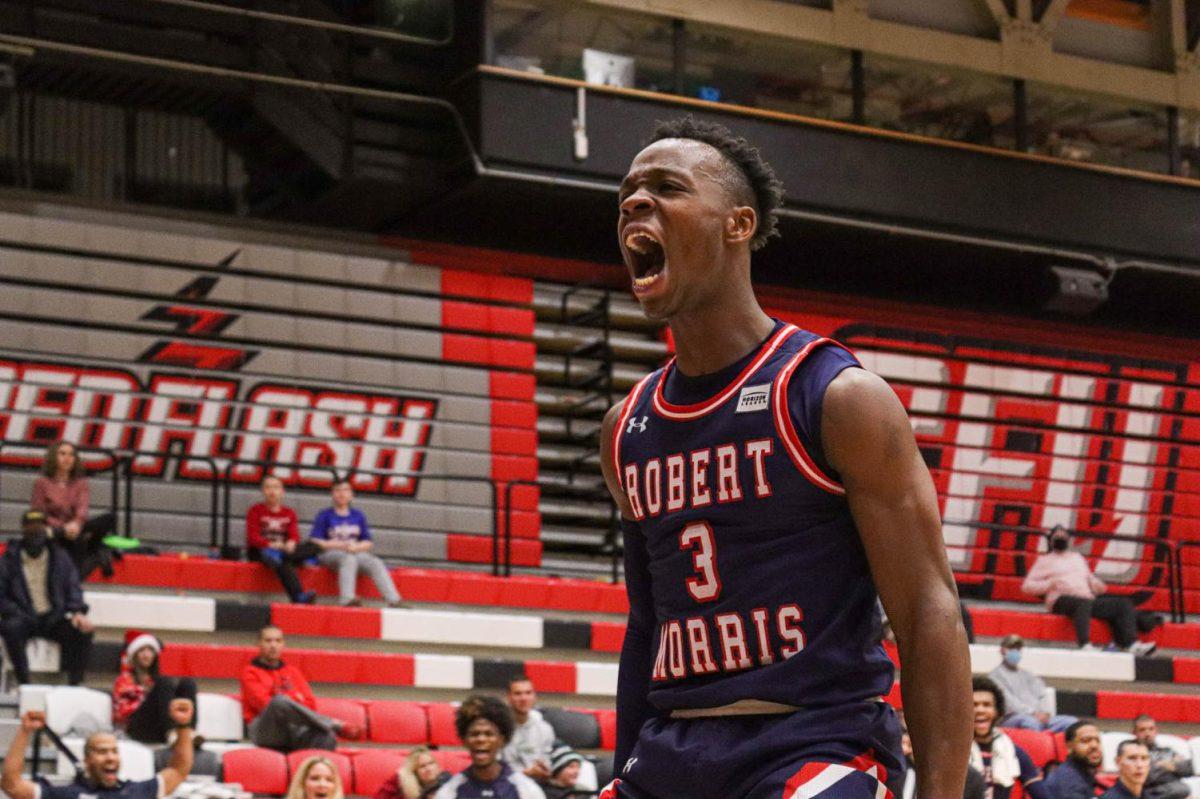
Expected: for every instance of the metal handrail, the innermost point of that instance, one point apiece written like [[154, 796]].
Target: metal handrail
[[335, 475], [114, 467], [213, 482]]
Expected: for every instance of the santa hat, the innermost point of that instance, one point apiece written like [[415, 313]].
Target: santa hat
[[136, 639]]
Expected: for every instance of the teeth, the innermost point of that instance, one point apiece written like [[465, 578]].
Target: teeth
[[639, 242], [642, 282]]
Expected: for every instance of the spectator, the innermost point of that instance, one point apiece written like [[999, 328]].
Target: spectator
[[1167, 768], [1133, 766], [419, 778], [278, 705], [40, 598], [142, 697], [565, 763], [1070, 589], [273, 539], [532, 738], [993, 754], [1025, 694], [345, 541], [1075, 778], [101, 764], [317, 778], [484, 724], [62, 494]]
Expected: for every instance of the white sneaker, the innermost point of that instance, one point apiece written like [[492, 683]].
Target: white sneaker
[[1089, 647], [1143, 648]]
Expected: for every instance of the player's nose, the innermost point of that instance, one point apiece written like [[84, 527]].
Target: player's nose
[[638, 202]]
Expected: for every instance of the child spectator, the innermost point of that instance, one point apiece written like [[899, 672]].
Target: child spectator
[[420, 777], [565, 763], [273, 539], [484, 724], [345, 541], [317, 778]]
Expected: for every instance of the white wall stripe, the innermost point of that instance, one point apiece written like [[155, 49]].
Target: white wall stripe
[[596, 679], [151, 611], [1050, 663], [448, 627], [443, 671]]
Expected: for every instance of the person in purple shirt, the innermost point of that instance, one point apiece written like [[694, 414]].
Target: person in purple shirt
[[344, 537]]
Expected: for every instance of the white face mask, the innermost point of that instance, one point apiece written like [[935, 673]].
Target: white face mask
[[1012, 657]]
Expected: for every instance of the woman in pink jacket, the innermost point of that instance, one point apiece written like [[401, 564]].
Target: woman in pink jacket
[[1066, 583], [62, 494]]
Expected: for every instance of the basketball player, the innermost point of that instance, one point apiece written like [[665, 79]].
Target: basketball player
[[770, 491]]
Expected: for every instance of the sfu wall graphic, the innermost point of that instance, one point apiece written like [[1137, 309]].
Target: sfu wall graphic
[[1020, 436]]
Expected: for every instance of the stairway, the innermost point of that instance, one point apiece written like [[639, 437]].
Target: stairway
[[592, 346]]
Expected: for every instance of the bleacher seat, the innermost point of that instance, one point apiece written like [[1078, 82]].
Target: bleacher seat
[[579, 730], [441, 724], [256, 770], [373, 767], [392, 722], [218, 717], [83, 710], [340, 761], [1037, 744], [452, 760], [42, 655], [350, 711], [1109, 742]]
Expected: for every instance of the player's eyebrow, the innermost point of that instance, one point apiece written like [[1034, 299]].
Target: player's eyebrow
[[632, 178]]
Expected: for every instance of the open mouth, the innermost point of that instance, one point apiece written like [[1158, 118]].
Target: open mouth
[[647, 258]]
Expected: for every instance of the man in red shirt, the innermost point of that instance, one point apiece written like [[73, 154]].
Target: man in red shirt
[[273, 538], [278, 705]]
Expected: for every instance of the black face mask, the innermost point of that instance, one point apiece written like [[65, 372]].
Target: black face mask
[[34, 545], [1059, 544]]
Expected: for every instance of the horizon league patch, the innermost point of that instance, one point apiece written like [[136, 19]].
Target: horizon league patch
[[288, 423], [754, 398]]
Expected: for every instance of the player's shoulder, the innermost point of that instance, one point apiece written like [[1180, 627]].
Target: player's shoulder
[[449, 790]]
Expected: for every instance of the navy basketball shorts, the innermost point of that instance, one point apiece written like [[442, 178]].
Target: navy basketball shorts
[[843, 752]]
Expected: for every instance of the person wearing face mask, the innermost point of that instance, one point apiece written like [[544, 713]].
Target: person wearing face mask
[[1026, 697], [1068, 587], [40, 597]]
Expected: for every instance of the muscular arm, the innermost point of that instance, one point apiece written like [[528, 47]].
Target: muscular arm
[[183, 752], [868, 440], [11, 781], [633, 677]]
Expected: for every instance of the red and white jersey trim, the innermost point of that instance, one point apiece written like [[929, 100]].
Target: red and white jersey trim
[[688, 412], [786, 429], [619, 428], [816, 778]]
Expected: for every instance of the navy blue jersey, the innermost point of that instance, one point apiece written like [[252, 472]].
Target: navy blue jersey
[[80, 788], [509, 785], [758, 579]]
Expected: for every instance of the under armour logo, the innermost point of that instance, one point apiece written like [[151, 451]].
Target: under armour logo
[[629, 764], [641, 426]]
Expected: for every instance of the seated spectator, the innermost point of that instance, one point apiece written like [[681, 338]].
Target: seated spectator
[[1066, 582], [40, 598], [142, 697], [101, 764], [1075, 778], [484, 724], [62, 494], [1025, 694], [273, 539], [993, 754], [317, 778], [1133, 766], [278, 705], [1167, 768], [564, 773], [345, 541], [419, 778], [532, 739]]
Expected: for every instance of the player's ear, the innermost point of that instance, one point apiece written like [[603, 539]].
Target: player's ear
[[741, 224]]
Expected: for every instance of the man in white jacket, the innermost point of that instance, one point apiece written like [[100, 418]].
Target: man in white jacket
[[533, 738]]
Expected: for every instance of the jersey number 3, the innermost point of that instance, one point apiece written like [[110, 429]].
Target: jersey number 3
[[706, 585]]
